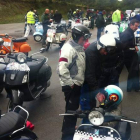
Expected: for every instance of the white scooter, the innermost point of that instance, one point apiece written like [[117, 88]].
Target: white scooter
[[57, 34], [73, 22], [86, 22]]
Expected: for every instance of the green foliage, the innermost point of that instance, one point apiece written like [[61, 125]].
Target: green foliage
[[15, 11]]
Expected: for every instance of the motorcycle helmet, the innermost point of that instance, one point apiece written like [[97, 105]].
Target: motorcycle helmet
[[114, 96], [79, 31], [133, 14], [112, 30], [107, 42], [77, 10]]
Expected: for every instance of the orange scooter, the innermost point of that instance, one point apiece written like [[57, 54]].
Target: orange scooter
[[19, 45]]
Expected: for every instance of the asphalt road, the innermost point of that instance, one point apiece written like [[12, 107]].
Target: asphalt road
[[44, 114]]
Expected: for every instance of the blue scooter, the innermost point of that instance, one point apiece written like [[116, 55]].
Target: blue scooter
[[39, 30]]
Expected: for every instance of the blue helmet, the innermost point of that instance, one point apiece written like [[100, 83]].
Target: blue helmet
[[115, 94]]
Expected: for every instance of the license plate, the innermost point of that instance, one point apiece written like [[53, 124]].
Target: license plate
[[17, 66]]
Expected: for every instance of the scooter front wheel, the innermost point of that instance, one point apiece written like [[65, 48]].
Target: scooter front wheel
[[37, 38], [47, 46]]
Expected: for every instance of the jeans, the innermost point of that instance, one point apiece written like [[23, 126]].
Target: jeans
[[99, 31], [72, 97], [45, 29]]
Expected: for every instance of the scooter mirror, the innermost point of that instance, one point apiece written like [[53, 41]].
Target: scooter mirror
[[42, 50]]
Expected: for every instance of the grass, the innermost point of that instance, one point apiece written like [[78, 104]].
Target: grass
[[14, 12]]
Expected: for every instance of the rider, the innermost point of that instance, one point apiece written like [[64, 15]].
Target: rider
[[76, 14], [30, 22], [71, 75], [94, 52], [57, 16], [45, 22]]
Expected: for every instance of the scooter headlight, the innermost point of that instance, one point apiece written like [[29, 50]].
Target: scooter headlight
[[96, 118], [25, 79], [21, 58]]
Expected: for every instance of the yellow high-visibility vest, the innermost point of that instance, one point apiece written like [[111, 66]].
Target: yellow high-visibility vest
[[30, 18]]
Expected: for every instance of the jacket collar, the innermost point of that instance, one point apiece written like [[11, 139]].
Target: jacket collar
[[129, 29], [75, 45]]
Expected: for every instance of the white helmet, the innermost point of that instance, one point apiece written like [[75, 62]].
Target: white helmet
[[108, 42], [133, 14], [112, 30]]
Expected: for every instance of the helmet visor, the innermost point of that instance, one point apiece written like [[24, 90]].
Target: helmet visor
[[87, 36]]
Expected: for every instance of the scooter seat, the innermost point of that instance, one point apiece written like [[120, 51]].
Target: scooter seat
[[23, 39], [60, 29], [36, 65], [10, 122]]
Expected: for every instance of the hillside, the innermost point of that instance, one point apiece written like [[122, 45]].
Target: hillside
[[14, 12]]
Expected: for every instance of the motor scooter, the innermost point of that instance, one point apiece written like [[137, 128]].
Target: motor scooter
[[97, 130], [86, 22], [13, 126], [123, 25], [24, 78], [72, 22], [38, 34], [57, 34], [19, 45]]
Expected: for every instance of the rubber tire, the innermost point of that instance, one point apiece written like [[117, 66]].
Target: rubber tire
[[47, 46], [38, 40]]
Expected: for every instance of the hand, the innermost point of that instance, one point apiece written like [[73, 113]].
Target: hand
[[50, 20], [136, 48], [100, 97]]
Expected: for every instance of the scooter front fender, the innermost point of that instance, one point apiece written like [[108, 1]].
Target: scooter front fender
[[38, 33], [17, 97]]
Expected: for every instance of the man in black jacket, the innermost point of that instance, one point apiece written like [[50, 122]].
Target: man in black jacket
[[94, 52], [111, 65], [45, 22], [57, 17], [130, 55], [100, 24]]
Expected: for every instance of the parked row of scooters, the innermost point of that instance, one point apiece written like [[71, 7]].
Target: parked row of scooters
[[24, 78]]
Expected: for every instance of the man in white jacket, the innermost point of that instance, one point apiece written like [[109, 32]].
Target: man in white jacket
[[71, 70]]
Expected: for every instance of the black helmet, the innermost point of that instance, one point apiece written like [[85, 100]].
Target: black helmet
[[79, 31]]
